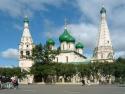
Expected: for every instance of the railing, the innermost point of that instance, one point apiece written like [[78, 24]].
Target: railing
[[7, 85]]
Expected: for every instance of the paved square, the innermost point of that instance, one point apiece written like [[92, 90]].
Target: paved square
[[65, 89]]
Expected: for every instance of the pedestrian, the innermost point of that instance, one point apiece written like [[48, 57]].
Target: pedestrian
[[0, 84], [83, 82], [15, 82]]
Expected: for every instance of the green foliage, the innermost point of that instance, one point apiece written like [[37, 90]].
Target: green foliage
[[120, 60], [84, 70], [16, 71], [43, 54], [52, 69], [67, 70], [44, 66]]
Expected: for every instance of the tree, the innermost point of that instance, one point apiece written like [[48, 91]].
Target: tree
[[84, 70], [42, 54], [43, 58], [120, 60], [15, 71], [119, 72]]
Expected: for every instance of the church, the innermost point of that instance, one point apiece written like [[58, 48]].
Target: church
[[103, 52], [71, 51]]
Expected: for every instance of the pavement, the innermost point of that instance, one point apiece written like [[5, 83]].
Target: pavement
[[65, 89]]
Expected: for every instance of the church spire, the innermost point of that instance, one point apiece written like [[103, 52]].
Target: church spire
[[26, 31], [26, 22], [65, 26], [103, 10], [26, 19], [104, 36], [25, 49], [104, 50]]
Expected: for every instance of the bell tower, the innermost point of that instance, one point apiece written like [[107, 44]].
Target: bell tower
[[25, 47], [103, 51]]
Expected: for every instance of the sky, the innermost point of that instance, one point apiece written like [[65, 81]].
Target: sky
[[47, 21]]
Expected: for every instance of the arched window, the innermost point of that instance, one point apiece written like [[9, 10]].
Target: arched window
[[63, 46], [27, 53], [108, 41], [66, 58], [110, 56], [57, 59], [101, 55], [69, 45], [21, 54], [27, 44]]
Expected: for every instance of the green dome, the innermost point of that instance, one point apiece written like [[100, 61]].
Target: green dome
[[50, 42], [26, 19], [66, 37], [103, 10], [79, 45]]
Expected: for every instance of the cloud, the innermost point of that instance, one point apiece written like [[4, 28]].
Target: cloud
[[91, 9], [118, 40], [85, 33], [119, 54], [17, 27], [82, 32], [27, 7], [10, 54], [88, 34], [86, 30]]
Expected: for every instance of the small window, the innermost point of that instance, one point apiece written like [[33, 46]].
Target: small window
[[27, 53], [57, 59], [63, 46], [66, 58], [21, 54]]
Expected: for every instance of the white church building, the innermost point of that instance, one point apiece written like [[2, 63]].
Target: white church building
[[71, 52], [104, 50]]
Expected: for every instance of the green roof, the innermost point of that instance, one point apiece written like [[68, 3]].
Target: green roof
[[79, 45], [103, 10], [26, 19], [50, 42], [66, 37]]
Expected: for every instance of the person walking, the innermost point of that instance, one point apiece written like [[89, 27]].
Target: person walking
[[15, 82], [83, 82]]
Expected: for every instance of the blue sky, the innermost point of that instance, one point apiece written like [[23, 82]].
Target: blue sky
[[47, 21]]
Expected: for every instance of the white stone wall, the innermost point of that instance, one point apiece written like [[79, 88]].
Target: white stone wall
[[79, 50], [104, 48], [52, 47], [71, 46], [25, 63], [72, 57], [67, 46], [25, 45]]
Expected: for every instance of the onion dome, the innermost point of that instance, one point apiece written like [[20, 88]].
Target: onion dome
[[26, 20], [79, 45], [103, 10], [50, 42], [66, 37]]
